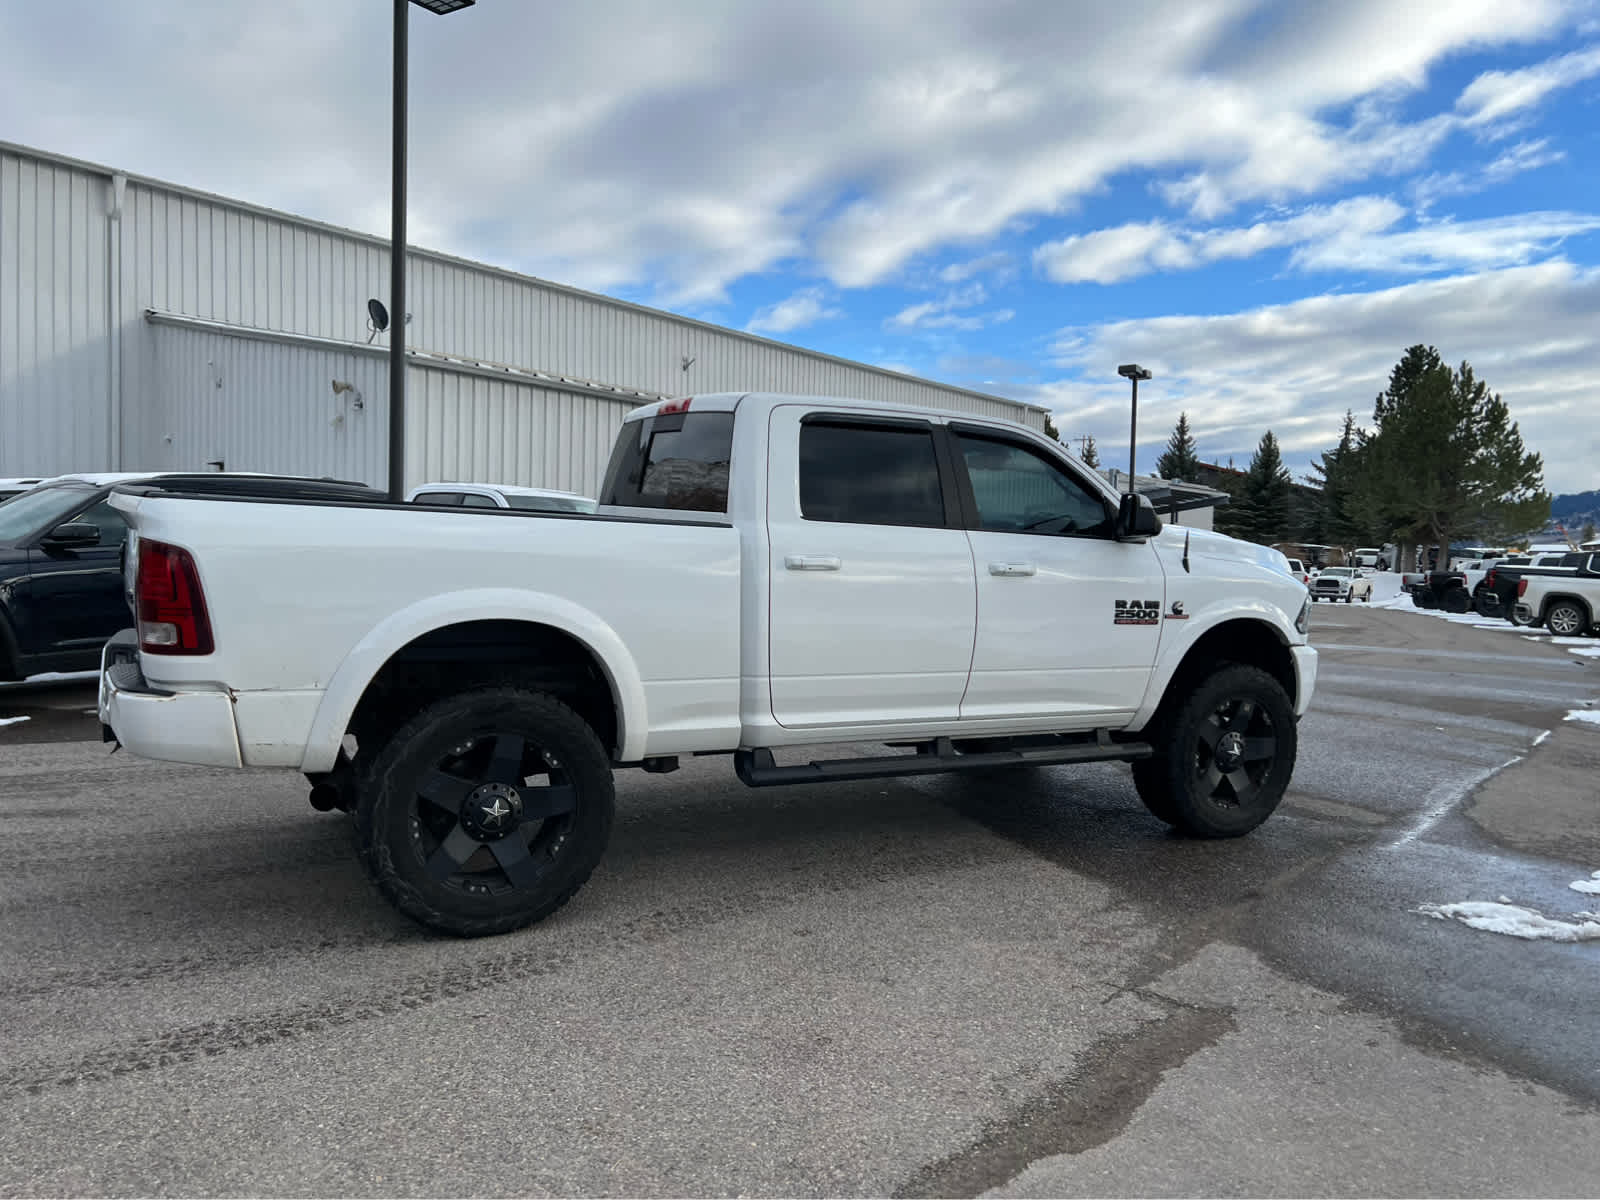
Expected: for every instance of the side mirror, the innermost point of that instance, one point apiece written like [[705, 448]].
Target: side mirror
[[1136, 518], [73, 533]]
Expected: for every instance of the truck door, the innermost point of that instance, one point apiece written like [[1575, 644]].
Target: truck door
[[1069, 618], [77, 593], [872, 600]]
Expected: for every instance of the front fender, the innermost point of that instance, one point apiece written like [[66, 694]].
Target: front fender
[[401, 628], [1176, 643]]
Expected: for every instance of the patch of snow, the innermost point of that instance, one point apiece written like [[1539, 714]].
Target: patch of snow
[[61, 676], [1515, 921], [1572, 641], [1589, 887], [14, 720], [1591, 715], [1590, 651], [1539, 741]]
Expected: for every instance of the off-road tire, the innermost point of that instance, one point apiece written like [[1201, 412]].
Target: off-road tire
[[461, 749], [1195, 782], [1456, 600]]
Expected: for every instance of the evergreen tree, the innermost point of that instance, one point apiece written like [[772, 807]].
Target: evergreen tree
[[1050, 430], [1335, 473], [1181, 460], [1267, 490], [1587, 533], [1445, 460], [1090, 456]]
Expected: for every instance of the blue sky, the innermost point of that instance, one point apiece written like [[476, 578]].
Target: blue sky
[[1263, 203]]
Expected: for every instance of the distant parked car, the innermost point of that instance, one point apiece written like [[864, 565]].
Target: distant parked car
[[1341, 583], [1298, 570], [15, 487], [1370, 556], [501, 495]]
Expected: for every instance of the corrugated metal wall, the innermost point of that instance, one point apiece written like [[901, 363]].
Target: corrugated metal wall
[[263, 406], [82, 258], [55, 354]]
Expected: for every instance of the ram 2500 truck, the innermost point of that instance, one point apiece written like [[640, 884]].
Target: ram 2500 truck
[[765, 573]]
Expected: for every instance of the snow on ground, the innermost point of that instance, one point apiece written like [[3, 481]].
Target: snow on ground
[[1589, 887], [14, 720], [1591, 715], [1516, 921]]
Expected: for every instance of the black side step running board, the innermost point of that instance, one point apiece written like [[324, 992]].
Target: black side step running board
[[757, 768]]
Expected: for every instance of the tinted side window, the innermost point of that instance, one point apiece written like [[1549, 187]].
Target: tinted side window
[[438, 498], [473, 500], [675, 461], [1020, 491], [867, 475]]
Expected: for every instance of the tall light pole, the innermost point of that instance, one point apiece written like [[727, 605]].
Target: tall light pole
[[397, 243], [1133, 372]]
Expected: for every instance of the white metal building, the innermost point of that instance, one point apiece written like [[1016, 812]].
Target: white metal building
[[145, 326]]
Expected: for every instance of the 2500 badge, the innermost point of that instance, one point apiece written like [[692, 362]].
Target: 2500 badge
[[1137, 612]]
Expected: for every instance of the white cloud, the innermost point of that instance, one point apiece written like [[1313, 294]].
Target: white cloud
[[1533, 333], [805, 307], [1445, 245], [1524, 156], [1111, 255], [999, 264], [946, 314], [1496, 95], [1354, 235]]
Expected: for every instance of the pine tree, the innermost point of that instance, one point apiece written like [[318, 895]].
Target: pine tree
[[1267, 490], [1050, 430], [1587, 533], [1181, 460], [1090, 456], [1334, 519], [1446, 461]]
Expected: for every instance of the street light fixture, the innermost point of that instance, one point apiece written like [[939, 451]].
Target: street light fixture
[[1133, 372], [397, 242]]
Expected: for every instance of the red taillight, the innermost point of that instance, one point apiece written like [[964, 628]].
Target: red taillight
[[170, 605], [1522, 588]]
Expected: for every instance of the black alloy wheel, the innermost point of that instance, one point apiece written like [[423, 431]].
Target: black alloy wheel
[[1224, 758], [486, 812]]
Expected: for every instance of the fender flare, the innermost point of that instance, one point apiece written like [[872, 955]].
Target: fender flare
[[1172, 653], [398, 630]]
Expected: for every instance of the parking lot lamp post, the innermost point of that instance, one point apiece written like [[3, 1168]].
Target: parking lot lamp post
[[397, 243], [1133, 372]]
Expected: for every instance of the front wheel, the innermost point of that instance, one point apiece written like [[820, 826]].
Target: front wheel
[[1224, 757], [486, 812]]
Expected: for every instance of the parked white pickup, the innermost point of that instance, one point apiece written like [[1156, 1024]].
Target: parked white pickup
[[764, 572], [1566, 604]]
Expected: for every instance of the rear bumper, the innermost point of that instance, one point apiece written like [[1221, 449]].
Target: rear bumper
[[1305, 670], [189, 727]]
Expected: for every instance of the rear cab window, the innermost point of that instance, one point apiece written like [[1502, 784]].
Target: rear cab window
[[674, 460]]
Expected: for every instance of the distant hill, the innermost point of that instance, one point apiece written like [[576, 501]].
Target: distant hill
[[1579, 506]]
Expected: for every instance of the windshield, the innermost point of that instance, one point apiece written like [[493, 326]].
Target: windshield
[[42, 508], [1336, 572]]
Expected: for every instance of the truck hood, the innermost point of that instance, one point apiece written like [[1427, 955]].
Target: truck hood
[[1206, 543]]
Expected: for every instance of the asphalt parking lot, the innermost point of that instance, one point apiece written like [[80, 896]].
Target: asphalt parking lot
[[1011, 985]]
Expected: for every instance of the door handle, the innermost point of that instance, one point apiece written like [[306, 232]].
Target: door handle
[[812, 562], [1012, 569]]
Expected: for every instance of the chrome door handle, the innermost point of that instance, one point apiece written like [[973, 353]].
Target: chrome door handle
[[1012, 569], [812, 562]]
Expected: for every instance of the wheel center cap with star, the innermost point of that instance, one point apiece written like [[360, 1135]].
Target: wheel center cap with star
[[491, 811], [1230, 750]]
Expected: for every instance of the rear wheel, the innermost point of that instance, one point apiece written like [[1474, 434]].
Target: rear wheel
[[1565, 618], [486, 812], [1456, 600], [1224, 757]]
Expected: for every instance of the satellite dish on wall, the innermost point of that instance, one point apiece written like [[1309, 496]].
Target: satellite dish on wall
[[378, 315]]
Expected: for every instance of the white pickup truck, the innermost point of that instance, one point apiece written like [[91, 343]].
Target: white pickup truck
[[764, 573], [1567, 603]]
